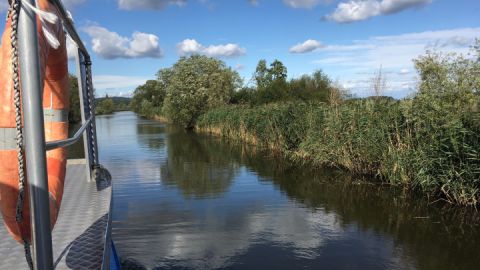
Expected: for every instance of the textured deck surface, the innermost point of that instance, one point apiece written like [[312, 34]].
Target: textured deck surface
[[79, 235]]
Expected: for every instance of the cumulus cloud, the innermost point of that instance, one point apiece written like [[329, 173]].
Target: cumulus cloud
[[404, 71], [359, 10], [191, 46], [239, 67], [111, 45], [309, 45], [305, 3], [148, 4], [106, 82], [394, 53], [216, 244], [117, 85]]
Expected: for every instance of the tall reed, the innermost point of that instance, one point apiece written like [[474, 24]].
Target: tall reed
[[437, 154]]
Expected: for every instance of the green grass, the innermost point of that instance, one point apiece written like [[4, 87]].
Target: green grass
[[396, 141]]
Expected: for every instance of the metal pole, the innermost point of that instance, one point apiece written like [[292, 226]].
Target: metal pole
[[69, 27], [35, 139], [94, 122], [80, 64]]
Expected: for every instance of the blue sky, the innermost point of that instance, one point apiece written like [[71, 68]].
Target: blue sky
[[131, 40]]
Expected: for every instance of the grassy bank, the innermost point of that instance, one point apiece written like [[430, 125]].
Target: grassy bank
[[397, 141], [428, 142]]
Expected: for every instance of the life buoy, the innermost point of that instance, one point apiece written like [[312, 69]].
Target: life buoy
[[54, 72]]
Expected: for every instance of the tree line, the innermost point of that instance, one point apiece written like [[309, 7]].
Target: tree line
[[196, 84], [428, 142], [105, 105]]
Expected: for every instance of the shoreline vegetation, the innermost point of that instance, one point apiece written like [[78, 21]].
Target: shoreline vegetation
[[103, 106], [429, 142]]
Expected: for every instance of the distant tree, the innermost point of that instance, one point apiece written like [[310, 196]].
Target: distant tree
[[74, 112], [265, 76], [195, 85], [277, 71], [153, 91], [261, 74], [271, 82], [317, 86], [106, 106]]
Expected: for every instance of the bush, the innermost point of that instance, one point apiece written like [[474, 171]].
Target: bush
[[106, 106], [377, 137], [195, 85], [148, 98]]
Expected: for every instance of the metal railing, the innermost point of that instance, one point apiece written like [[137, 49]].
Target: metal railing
[[33, 119]]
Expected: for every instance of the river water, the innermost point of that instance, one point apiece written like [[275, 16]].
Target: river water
[[189, 201]]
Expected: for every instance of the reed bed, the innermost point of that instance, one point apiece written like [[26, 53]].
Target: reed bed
[[400, 142]]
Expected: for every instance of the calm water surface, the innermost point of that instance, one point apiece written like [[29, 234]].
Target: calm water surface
[[186, 201]]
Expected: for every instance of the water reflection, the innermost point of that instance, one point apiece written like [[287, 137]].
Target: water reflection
[[196, 165], [75, 151], [194, 202], [431, 237], [150, 135]]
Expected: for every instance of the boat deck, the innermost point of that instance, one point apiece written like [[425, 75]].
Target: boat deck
[[79, 237]]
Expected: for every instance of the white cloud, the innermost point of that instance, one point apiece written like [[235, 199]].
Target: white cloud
[[108, 82], [309, 45], [215, 244], [305, 3], [393, 6], [148, 4], [111, 45], [239, 67], [358, 10], [191, 46], [404, 71], [127, 94], [355, 62]]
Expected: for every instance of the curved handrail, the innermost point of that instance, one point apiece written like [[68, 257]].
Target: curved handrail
[[67, 142]]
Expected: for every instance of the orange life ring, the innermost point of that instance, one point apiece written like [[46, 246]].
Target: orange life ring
[[54, 72]]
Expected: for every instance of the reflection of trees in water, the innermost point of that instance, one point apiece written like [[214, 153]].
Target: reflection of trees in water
[[435, 237], [76, 150], [204, 167], [197, 165], [151, 134]]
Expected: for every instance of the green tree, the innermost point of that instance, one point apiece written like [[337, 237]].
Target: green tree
[[74, 112], [106, 106], [245, 95], [317, 86], [271, 82], [195, 85], [261, 74], [277, 71], [148, 98]]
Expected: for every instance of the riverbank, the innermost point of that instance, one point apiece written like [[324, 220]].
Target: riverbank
[[436, 154], [240, 204]]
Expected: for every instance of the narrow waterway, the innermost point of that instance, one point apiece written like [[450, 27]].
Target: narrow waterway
[[189, 201]]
